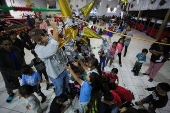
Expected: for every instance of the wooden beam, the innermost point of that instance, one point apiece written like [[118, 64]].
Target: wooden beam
[[161, 28], [139, 15]]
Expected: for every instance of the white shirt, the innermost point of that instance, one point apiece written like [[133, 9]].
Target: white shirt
[[53, 59], [33, 103]]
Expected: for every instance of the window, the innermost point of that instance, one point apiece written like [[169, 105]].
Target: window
[[114, 10]]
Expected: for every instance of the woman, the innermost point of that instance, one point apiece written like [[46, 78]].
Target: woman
[[11, 60], [160, 54], [16, 41], [127, 40]]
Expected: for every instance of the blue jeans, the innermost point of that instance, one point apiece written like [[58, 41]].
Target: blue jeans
[[147, 100], [102, 61], [104, 107], [61, 83]]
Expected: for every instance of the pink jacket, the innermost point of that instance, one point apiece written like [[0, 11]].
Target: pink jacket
[[119, 47], [112, 51], [43, 25]]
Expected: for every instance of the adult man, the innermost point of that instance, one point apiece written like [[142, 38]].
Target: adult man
[[54, 59], [43, 25]]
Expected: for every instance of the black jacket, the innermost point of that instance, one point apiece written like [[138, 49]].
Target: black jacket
[[157, 100], [8, 68], [18, 43]]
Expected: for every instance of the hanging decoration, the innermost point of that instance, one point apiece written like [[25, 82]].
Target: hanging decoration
[[107, 5], [162, 2], [29, 4], [153, 1], [125, 1], [6, 8], [87, 8]]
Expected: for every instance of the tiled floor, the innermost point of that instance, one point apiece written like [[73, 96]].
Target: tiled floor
[[134, 83]]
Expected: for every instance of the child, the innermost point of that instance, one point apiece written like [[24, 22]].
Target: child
[[158, 98], [102, 56], [119, 48], [113, 76], [57, 104], [124, 94], [112, 53], [40, 67], [32, 78], [92, 66], [140, 59], [32, 102], [92, 80], [110, 34], [112, 100]]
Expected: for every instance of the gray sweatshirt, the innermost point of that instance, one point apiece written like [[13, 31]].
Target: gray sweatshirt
[[127, 42], [53, 59]]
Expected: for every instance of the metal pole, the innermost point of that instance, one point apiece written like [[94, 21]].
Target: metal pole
[[161, 28], [153, 27]]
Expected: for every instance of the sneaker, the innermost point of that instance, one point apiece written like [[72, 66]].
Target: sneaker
[[120, 65], [134, 74], [145, 74], [132, 71], [43, 99], [150, 80], [9, 99]]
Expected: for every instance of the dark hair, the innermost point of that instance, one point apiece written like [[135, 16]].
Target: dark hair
[[165, 37], [36, 34], [112, 86], [25, 90], [95, 79], [40, 19], [108, 96], [145, 50], [106, 79], [62, 98], [131, 110], [20, 35], [12, 32], [164, 86], [94, 100], [4, 39], [115, 70], [95, 63], [114, 43], [129, 25], [27, 70], [45, 31], [120, 39]]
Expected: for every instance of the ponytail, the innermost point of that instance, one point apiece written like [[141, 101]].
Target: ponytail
[[93, 105]]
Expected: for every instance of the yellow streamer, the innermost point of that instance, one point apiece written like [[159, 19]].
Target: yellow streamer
[[119, 33]]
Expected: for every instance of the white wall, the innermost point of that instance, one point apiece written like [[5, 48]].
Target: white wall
[[102, 10], [22, 3]]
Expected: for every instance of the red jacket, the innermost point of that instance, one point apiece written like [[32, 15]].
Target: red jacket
[[124, 93], [117, 99]]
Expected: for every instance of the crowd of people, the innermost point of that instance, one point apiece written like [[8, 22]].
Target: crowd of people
[[80, 75]]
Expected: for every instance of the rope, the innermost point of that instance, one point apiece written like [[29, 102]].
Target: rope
[[120, 33]]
